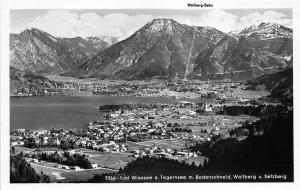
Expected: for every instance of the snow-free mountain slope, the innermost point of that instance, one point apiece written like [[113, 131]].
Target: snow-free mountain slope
[[162, 47], [38, 51]]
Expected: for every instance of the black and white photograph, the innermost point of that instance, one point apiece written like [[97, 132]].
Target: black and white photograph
[[197, 94]]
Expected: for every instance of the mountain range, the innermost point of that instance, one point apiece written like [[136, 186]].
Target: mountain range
[[252, 52], [280, 84], [26, 82], [37, 51], [162, 48]]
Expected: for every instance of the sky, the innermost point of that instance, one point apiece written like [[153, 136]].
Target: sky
[[124, 22]]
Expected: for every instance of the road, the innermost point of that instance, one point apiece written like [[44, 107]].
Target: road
[[65, 170]]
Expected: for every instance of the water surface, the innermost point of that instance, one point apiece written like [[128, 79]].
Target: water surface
[[46, 112]]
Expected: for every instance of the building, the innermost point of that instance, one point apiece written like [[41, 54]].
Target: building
[[75, 168], [21, 130], [208, 107], [94, 165]]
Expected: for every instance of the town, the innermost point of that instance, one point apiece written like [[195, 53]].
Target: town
[[110, 96], [126, 132], [181, 89]]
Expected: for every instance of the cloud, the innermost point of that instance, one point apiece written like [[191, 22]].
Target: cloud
[[214, 18], [227, 22], [65, 23], [57, 23], [267, 16], [219, 19]]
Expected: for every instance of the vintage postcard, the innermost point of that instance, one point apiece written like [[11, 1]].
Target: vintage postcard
[[193, 92]]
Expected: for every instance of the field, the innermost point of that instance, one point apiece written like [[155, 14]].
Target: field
[[112, 160], [134, 146], [197, 160], [59, 175], [109, 160], [228, 121], [166, 143], [84, 175], [53, 173], [117, 166], [238, 92], [20, 149], [88, 152]]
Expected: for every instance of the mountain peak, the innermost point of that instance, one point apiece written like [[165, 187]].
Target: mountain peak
[[32, 30], [162, 24], [162, 20], [263, 24], [48, 53], [36, 32], [269, 25], [267, 30], [110, 40]]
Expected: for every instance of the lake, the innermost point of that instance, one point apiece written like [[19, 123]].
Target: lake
[[67, 112]]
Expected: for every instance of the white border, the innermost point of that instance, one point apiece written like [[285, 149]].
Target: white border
[[6, 5]]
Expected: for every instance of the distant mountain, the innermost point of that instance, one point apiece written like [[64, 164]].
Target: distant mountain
[[280, 84], [37, 51], [109, 40], [162, 48], [254, 51], [26, 82], [165, 48], [267, 31], [102, 42]]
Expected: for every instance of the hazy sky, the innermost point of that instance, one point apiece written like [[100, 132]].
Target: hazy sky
[[124, 22]]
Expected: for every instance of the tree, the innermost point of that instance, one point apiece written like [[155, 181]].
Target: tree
[[251, 131], [31, 142], [205, 163], [193, 164], [65, 145], [175, 152], [13, 150], [19, 167]]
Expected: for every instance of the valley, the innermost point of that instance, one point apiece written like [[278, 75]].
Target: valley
[[188, 98]]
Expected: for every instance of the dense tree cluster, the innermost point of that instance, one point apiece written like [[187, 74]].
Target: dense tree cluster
[[27, 82], [261, 110], [178, 129], [112, 108], [22, 172], [280, 84], [64, 144], [203, 131], [66, 158], [151, 166], [270, 152]]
